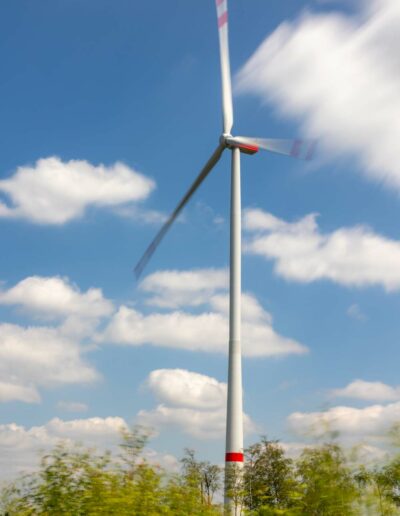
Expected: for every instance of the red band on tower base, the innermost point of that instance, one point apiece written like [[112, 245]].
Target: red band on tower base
[[234, 457]]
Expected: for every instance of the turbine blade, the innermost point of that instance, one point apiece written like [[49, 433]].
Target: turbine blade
[[301, 149], [227, 108], [160, 235]]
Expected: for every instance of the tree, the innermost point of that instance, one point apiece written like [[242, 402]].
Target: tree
[[69, 483], [133, 442], [386, 485], [327, 485], [81, 482], [211, 478], [202, 477], [268, 477]]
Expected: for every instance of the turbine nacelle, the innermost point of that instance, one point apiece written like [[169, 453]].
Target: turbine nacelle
[[230, 142], [233, 143]]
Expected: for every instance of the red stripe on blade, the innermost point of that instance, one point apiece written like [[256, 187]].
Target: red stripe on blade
[[223, 19], [234, 457], [311, 150], [219, 2]]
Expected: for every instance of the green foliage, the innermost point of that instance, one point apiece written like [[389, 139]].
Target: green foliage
[[269, 480], [79, 482], [82, 482], [203, 478], [327, 484]]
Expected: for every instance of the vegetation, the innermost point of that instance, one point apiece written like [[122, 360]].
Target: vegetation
[[321, 482]]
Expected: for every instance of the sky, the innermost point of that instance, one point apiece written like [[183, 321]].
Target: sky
[[108, 112]]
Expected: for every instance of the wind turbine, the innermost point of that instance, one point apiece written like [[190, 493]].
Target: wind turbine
[[237, 145]]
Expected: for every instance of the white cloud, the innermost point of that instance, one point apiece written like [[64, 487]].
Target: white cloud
[[196, 403], [252, 311], [187, 389], [56, 192], [355, 312], [38, 357], [360, 453], [199, 424], [354, 256], [339, 75], [72, 406], [177, 329], [374, 421], [164, 460], [10, 391], [206, 331], [172, 289], [369, 455], [56, 297], [20, 447], [371, 391], [91, 429], [42, 356]]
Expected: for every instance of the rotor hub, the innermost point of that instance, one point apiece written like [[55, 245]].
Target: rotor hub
[[223, 139]]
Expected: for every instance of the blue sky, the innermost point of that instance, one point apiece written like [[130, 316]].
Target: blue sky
[[108, 113]]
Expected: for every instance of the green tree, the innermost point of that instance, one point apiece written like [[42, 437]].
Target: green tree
[[201, 479], [373, 499], [269, 480], [78, 482], [387, 478], [68, 483], [328, 487]]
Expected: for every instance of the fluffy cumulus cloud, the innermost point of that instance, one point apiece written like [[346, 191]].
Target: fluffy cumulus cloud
[[38, 357], [353, 256], [91, 429], [206, 331], [193, 402], [13, 390], [339, 75], [55, 192], [196, 423], [52, 354], [21, 447], [56, 297], [354, 424], [369, 391], [187, 389], [72, 406], [171, 289]]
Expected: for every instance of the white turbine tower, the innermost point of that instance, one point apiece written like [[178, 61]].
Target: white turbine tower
[[236, 144]]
